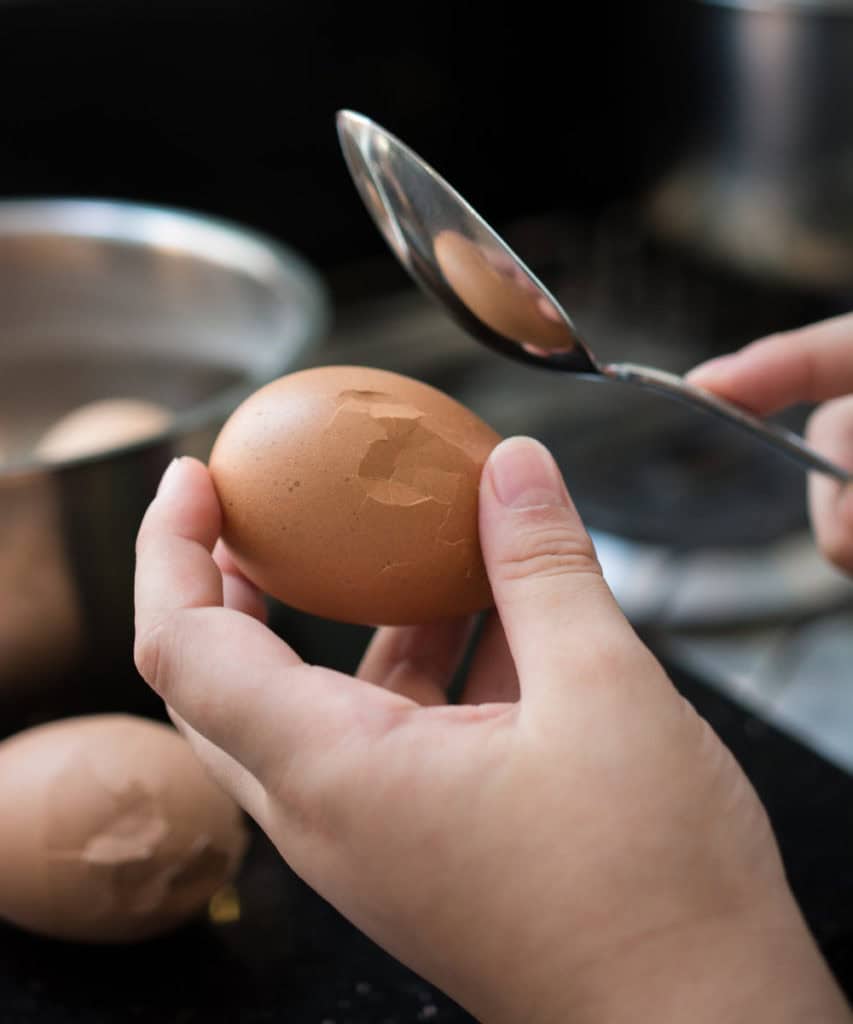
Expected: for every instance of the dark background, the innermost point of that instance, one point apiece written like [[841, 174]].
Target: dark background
[[228, 107]]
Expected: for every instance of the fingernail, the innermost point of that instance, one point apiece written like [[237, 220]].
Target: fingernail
[[524, 475], [169, 478]]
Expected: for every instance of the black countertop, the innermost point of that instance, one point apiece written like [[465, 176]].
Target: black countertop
[[290, 957]]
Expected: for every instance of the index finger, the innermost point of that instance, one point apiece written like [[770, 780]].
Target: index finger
[[174, 565], [225, 673], [176, 575], [811, 364]]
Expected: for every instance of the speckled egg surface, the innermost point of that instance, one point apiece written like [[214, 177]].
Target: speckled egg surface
[[112, 830], [351, 493]]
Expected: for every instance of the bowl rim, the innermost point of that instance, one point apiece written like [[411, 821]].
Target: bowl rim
[[210, 237]]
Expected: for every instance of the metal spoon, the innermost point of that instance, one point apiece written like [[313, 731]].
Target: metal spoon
[[455, 256]]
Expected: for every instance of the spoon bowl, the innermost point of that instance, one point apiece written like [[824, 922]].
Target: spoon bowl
[[459, 260]]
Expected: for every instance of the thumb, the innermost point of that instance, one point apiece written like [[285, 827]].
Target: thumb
[[555, 607]]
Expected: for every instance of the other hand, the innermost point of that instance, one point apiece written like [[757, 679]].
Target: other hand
[[815, 365]]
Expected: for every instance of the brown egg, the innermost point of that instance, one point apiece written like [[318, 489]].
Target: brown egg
[[100, 426], [351, 493], [112, 830]]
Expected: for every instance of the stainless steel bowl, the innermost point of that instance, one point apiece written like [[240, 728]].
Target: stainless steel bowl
[[105, 299]]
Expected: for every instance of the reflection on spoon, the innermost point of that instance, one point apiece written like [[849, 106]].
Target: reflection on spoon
[[500, 294], [464, 264]]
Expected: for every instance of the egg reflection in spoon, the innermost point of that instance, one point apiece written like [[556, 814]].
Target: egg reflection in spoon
[[500, 294]]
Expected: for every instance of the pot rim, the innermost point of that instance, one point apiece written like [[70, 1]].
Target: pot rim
[[215, 240], [781, 7]]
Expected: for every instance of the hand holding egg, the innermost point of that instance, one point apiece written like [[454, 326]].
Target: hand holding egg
[[538, 851], [812, 364]]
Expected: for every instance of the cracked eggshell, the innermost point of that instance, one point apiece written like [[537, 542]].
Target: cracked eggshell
[[351, 493], [112, 830]]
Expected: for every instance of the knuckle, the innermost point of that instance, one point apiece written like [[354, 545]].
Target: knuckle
[[153, 654], [546, 549]]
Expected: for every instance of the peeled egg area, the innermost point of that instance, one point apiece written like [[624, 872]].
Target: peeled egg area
[[351, 493], [115, 831]]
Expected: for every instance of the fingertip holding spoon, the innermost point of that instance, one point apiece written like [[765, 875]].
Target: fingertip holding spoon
[[456, 258]]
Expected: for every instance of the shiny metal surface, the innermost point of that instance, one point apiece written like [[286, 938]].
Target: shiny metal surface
[[107, 299], [455, 256], [775, 6], [726, 583], [764, 182]]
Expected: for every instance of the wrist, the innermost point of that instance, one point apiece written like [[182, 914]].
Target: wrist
[[760, 966], [744, 970]]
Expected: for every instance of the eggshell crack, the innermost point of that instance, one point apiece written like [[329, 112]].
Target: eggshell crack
[[351, 493], [119, 833]]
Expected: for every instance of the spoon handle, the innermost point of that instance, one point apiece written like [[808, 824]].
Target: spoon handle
[[676, 387]]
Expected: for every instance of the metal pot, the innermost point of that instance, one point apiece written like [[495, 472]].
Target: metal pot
[[768, 182], [103, 299]]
